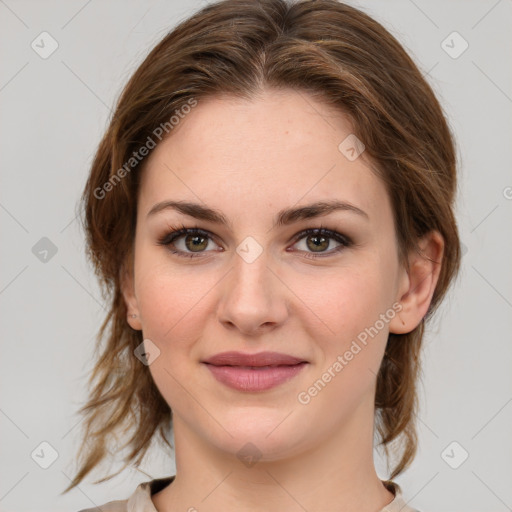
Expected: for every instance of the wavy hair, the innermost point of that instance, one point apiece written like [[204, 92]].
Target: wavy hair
[[324, 48]]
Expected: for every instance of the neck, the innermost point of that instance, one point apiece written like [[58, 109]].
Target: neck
[[335, 474]]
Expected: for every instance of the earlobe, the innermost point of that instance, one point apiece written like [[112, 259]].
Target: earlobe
[[420, 283], [128, 291]]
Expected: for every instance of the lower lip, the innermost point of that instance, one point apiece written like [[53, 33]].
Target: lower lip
[[247, 379]]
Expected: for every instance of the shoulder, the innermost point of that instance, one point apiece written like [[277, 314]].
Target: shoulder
[[111, 506], [139, 501], [398, 504]]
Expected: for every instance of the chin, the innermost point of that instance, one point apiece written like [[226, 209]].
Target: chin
[[260, 435]]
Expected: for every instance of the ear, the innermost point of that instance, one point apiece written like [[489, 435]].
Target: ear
[[418, 284], [126, 278]]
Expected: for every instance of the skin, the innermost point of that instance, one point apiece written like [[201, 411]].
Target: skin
[[250, 159]]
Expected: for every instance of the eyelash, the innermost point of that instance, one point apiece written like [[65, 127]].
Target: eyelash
[[176, 232]]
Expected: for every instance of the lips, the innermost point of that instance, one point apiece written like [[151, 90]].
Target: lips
[[254, 372], [259, 359]]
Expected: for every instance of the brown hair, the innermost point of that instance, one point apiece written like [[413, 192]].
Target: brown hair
[[237, 47]]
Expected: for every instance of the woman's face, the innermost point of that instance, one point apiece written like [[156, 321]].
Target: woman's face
[[252, 284]]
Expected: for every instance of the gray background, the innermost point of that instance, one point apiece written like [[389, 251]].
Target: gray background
[[54, 112]]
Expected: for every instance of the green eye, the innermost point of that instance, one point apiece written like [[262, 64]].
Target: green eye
[[197, 240]]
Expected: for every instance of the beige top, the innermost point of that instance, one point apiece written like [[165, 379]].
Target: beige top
[[140, 500]]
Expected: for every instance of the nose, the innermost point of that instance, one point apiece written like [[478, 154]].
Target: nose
[[253, 299]]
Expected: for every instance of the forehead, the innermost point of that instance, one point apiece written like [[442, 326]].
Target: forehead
[[277, 150]]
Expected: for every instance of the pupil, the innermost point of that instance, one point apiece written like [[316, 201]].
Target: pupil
[[317, 238], [195, 241]]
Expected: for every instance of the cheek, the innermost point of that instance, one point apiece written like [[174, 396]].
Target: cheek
[[170, 305], [347, 300], [350, 353], [165, 292], [173, 318], [355, 306]]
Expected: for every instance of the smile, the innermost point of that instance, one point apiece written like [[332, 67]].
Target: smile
[[254, 378]]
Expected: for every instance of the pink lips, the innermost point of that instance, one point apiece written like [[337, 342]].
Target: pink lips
[[254, 372]]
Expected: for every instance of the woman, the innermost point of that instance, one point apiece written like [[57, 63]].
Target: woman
[[271, 211]]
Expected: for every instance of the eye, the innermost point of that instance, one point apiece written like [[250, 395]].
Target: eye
[[318, 241], [193, 239], [193, 242]]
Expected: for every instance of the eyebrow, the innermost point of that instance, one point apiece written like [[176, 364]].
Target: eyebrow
[[283, 218]]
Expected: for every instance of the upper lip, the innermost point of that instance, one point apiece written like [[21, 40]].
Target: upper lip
[[260, 359]]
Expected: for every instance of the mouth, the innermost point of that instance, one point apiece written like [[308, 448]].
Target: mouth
[[260, 359], [254, 372]]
